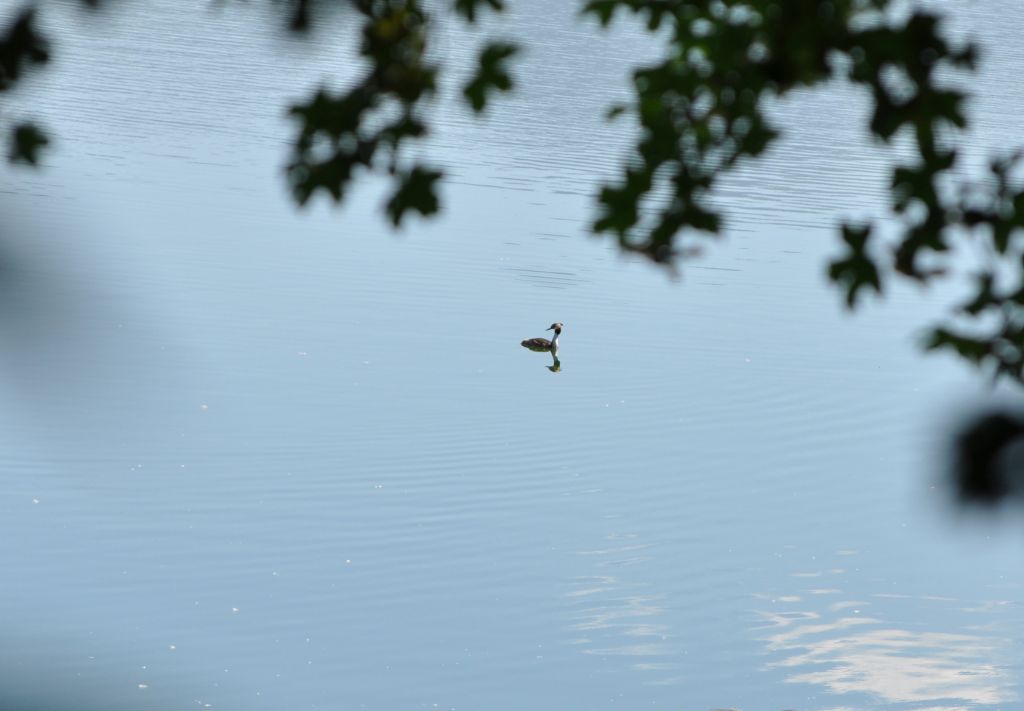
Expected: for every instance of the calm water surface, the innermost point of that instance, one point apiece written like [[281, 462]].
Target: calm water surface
[[256, 458]]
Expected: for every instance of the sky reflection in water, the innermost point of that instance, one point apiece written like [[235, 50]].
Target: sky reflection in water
[[842, 648]]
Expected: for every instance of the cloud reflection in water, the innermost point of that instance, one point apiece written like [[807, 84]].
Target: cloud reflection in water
[[616, 618], [852, 653]]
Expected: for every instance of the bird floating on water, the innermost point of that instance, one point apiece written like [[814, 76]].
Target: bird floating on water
[[543, 344]]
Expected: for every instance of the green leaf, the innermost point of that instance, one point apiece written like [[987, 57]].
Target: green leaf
[[468, 8], [985, 296], [972, 349], [21, 44], [491, 75], [615, 111], [416, 191], [26, 141], [604, 10], [857, 270]]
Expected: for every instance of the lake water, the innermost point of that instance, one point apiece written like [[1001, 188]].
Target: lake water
[[261, 458]]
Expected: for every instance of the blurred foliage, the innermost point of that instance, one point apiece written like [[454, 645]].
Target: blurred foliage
[[491, 75], [415, 192], [468, 8], [365, 127], [701, 111], [26, 141], [857, 270], [22, 46], [987, 459]]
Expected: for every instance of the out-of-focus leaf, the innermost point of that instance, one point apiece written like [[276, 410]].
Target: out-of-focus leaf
[[984, 298], [299, 20], [469, 8], [26, 141], [416, 191], [20, 45], [491, 75], [857, 270], [980, 472], [603, 10], [972, 348], [615, 111]]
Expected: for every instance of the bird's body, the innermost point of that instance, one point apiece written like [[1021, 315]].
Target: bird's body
[[538, 344], [543, 344]]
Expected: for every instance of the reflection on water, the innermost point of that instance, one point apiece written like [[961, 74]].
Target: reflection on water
[[619, 618], [556, 364], [834, 643]]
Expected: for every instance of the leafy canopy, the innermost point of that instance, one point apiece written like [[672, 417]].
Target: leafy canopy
[[701, 111]]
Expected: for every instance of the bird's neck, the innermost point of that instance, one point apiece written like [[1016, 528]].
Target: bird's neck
[[554, 340]]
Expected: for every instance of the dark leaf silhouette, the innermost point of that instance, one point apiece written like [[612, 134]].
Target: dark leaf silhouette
[[26, 141], [491, 75], [365, 127], [986, 470], [857, 270], [469, 8], [416, 191], [20, 46]]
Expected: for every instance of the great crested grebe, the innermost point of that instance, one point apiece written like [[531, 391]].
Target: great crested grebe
[[543, 344]]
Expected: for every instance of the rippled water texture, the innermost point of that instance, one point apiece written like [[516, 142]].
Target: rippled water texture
[[262, 458]]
